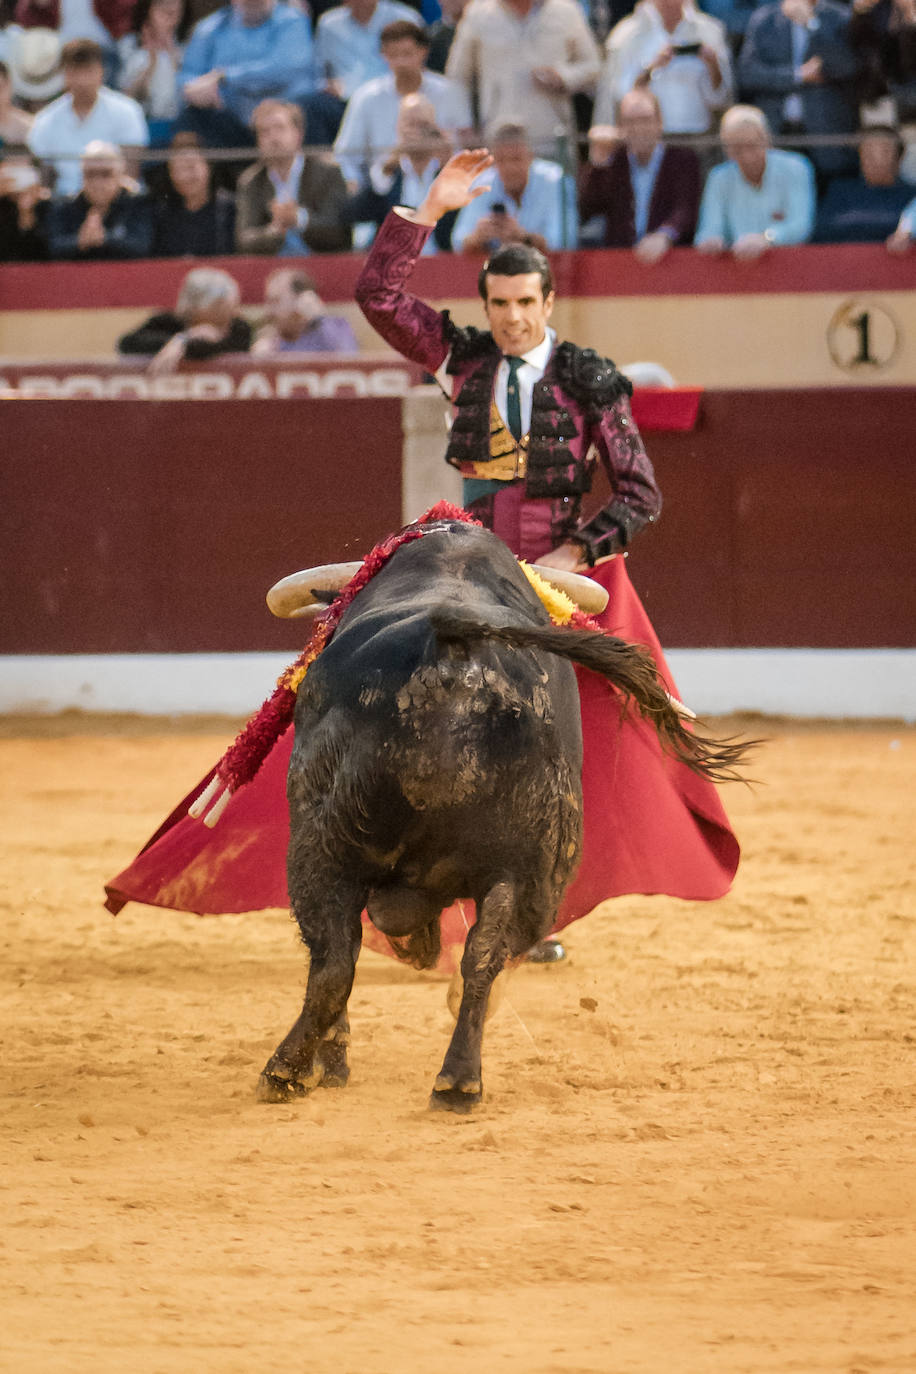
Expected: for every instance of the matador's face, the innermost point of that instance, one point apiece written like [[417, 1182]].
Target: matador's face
[[517, 311]]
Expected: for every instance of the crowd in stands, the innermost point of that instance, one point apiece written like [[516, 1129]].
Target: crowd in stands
[[172, 128]]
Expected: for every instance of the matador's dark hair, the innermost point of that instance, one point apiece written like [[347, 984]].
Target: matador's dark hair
[[514, 260]]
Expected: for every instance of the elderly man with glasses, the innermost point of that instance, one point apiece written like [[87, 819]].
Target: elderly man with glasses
[[107, 218]]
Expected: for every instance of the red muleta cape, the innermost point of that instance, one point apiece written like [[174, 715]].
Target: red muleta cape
[[651, 825]]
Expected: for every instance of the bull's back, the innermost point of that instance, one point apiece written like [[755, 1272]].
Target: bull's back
[[446, 726]]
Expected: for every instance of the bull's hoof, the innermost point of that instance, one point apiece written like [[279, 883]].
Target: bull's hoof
[[451, 1096], [273, 1089]]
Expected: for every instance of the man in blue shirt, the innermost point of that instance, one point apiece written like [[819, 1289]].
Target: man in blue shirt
[[528, 200], [761, 197], [248, 51], [348, 42]]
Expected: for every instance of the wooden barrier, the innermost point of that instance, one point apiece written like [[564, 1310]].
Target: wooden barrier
[[157, 527]]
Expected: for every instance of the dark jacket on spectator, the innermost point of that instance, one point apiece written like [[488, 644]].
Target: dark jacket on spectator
[[888, 54], [322, 191], [18, 245], [766, 75], [156, 332], [128, 227], [208, 232], [440, 37], [854, 212], [370, 206], [674, 204]]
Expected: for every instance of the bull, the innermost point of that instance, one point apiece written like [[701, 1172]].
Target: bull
[[437, 757]]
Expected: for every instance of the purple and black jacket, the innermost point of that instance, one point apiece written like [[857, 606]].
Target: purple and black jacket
[[579, 407]]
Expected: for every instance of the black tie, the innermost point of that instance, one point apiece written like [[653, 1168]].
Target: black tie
[[513, 403]]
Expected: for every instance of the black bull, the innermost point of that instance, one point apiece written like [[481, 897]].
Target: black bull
[[437, 757]]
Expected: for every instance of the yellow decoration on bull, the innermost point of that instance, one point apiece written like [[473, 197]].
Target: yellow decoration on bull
[[556, 603]]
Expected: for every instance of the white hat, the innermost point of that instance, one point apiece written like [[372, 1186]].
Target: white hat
[[33, 57]]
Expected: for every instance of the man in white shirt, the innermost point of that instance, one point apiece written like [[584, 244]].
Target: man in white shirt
[[88, 113], [370, 124], [526, 60], [676, 52]]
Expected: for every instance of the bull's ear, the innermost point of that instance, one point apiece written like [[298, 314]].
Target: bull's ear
[[289, 597]]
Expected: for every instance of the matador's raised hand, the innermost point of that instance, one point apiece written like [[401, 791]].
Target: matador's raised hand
[[452, 187]]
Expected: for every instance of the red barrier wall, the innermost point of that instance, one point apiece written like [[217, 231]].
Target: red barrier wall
[[604, 272], [158, 526], [135, 527]]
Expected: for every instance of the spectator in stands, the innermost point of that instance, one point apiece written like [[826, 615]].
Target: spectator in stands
[[150, 58], [678, 53], [525, 59], [23, 202], [289, 202], [246, 52], [798, 66], [526, 200], [404, 174], [88, 113], [190, 217], [204, 324], [348, 50], [883, 33], [15, 124], [102, 21], [761, 197], [643, 194], [298, 321], [370, 123], [32, 57], [107, 218], [442, 34], [901, 240], [866, 208]]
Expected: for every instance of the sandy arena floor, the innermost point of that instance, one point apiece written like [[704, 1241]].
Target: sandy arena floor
[[696, 1154]]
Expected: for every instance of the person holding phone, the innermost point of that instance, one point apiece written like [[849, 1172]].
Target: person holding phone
[[528, 200], [23, 201], [668, 47]]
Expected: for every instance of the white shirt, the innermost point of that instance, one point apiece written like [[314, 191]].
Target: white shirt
[[496, 50], [370, 123], [683, 88], [161, 100], [59, 134], [287, 188], [534, 365]]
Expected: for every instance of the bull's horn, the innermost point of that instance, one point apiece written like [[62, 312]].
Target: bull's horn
[[289, 597], [588, 595]]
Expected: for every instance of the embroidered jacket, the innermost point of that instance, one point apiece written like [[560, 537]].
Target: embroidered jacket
[[580, 406]]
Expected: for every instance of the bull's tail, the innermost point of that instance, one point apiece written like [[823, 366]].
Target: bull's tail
[[628, 668]]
